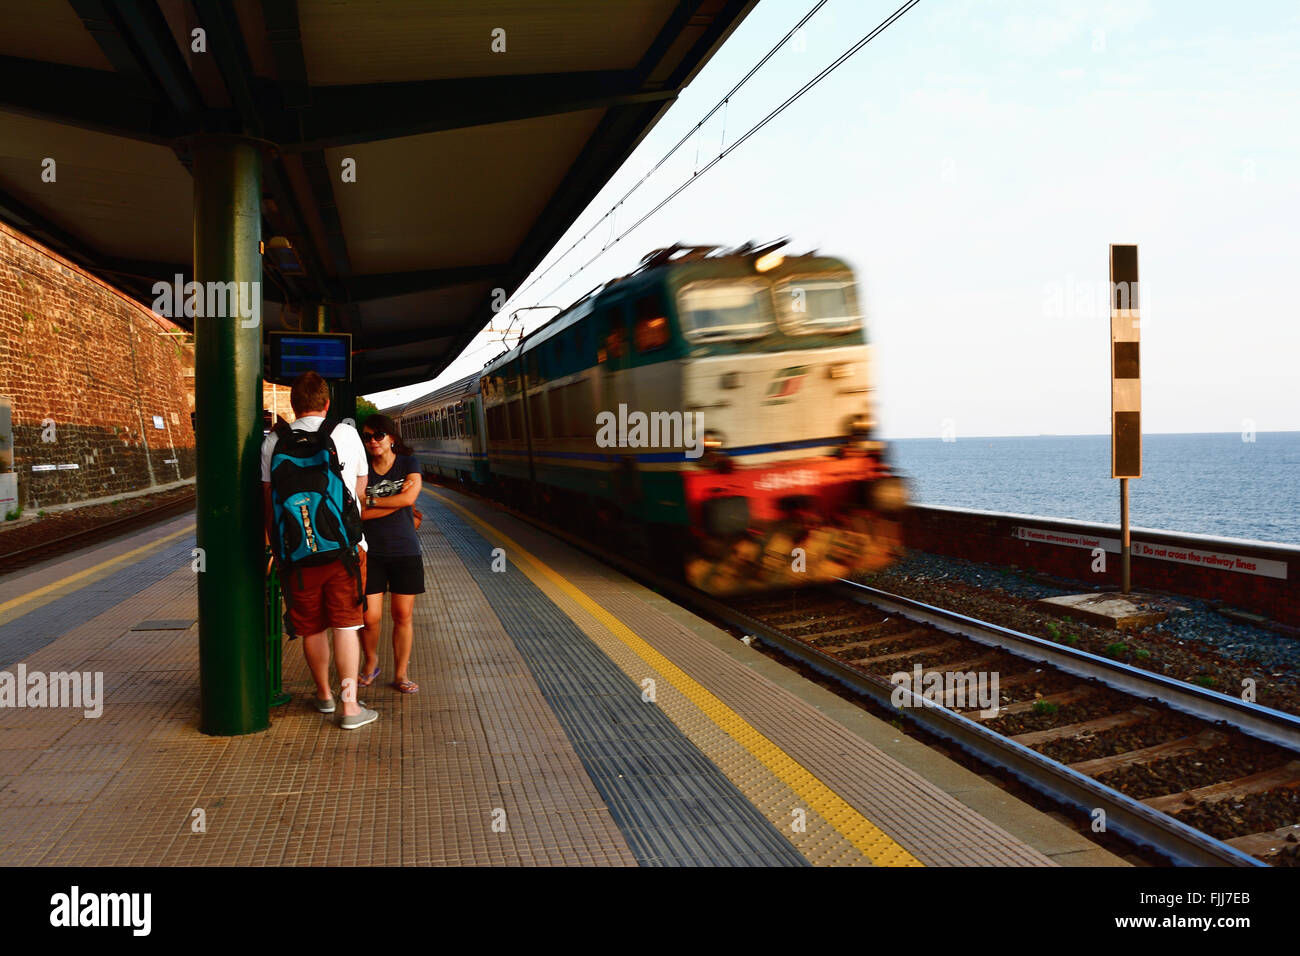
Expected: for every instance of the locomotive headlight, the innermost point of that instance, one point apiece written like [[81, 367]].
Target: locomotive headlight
[[713, 457], [730, 380], [861, 424], [840, 370]]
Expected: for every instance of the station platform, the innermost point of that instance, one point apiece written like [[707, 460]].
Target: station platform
[[567, 716]]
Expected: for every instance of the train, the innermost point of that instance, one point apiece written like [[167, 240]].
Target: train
[[714, 407]]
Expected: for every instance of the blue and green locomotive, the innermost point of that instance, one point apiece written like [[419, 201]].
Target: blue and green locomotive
[[720, 401]]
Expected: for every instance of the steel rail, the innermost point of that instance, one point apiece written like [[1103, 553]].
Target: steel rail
[[1124, 815], [1254, 719], [14, 560]]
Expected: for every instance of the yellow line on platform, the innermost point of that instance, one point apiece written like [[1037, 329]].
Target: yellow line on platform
[[877, 845], [88, 572]]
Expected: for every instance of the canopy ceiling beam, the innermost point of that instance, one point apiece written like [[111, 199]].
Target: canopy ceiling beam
[[616, 136], [348, 115], [405, 337], [391, 284]]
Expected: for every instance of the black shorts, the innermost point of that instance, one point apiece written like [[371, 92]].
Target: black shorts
[[401, 574]]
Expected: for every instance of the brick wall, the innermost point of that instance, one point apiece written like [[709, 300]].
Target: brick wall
[[275, 399], [87, 370], [995, 539]]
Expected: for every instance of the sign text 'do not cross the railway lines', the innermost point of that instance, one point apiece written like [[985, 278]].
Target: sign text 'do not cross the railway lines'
[[1214, 560]]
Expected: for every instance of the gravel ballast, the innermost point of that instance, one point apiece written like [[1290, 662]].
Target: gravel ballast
[[1194, 643]]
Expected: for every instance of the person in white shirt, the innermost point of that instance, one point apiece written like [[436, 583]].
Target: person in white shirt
[[325, 597]]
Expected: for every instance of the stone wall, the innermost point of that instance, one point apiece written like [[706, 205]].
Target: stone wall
[[101, 387]]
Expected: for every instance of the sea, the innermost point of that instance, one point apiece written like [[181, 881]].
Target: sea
[[1215, 484]]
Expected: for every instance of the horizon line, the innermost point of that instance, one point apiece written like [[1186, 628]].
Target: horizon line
[[1280, 431]]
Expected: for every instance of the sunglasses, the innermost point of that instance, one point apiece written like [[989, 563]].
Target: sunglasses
[[374, 436]]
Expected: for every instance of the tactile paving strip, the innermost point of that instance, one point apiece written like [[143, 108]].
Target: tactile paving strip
[[29, 631], [674, 806], [423, 784], [823, 828], [473, 770], [937, 828]]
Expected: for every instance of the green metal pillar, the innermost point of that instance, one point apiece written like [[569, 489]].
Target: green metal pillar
[[228, 403]]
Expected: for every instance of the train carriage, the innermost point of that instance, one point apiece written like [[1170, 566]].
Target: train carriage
[[445, 430], [721, 401]]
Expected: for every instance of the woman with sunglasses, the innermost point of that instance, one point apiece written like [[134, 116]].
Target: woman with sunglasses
[[393, 558]]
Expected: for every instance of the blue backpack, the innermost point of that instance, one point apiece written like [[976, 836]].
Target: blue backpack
[[315, 514]]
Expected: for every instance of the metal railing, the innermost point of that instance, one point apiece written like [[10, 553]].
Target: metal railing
[[274, 619]]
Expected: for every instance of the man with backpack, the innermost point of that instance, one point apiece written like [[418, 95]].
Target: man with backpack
[[314, 474]]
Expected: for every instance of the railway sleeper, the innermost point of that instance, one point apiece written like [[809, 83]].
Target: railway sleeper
[[1111, 721], [1173, 748], [1287, 775], [1071, 696], [792, 626], [871, 641], [900, 655], [1015, 680], [953, 667], [961, 691], [775, 616], [868, 629], [1270, 841]]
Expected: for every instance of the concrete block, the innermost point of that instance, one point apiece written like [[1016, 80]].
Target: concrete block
[[1106, 609]]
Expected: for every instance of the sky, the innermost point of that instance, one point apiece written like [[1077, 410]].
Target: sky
[[973, 163]]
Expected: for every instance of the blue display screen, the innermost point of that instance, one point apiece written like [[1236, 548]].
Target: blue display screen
[[326, 355]]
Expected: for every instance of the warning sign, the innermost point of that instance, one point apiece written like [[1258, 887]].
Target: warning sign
[[1219, 560], [1067, 539], [1211, 559]]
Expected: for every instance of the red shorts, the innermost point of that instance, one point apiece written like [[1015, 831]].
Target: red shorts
[[327, 597]]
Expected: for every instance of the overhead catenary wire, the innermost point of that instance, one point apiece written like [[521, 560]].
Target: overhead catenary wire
[[505, 334], [724, 153], [721, 104]]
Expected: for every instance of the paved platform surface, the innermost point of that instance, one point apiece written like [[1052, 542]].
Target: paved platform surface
[[567, 716]]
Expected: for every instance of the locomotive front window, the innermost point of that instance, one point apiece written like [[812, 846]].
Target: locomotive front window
[[817, 304], [712, 311]]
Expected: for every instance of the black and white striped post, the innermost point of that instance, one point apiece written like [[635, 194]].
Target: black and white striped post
[[1125, 386]]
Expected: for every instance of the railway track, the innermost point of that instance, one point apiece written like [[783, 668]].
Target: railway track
[[1089, 732], [1187, 771], [22, 557]]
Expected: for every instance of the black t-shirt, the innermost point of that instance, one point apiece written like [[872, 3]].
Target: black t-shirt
[[392, 535]]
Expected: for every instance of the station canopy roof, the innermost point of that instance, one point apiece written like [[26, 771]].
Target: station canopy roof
[[470, 164]]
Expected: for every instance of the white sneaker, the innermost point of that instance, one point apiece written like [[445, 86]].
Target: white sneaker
[[359, 720]]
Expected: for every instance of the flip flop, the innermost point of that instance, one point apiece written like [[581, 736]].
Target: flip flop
[[405, 686], [368, 679]]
